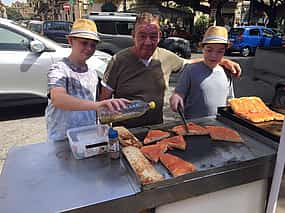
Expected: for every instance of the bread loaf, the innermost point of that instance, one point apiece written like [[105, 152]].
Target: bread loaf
[[141, 166], [253, 109], [127, 138]]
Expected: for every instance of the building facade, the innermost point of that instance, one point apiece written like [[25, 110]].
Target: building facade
[[233, 12]]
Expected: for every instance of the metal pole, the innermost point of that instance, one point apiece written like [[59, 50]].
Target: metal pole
[[80, 8], [250, 12], [277, 176], [125, 5], [213, 11]]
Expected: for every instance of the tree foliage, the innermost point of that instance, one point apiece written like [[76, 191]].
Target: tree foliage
[[200, 26], [270, 8]]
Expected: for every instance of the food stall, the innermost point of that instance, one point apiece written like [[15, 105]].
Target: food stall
[[46, 177]]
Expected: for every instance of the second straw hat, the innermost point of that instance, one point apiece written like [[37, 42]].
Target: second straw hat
[[84, 28], [216, 34]]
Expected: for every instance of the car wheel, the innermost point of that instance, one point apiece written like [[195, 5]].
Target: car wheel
[[253, 51], [183, 53], [178, 52], [245, 51], [228, 52]]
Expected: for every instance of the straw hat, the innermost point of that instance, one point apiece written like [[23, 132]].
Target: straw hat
[[84, 28], [216, 35]]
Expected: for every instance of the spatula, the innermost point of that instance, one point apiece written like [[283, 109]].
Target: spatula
[[181, 113]]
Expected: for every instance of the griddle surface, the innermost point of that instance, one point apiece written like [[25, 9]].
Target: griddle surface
[[207, 154]]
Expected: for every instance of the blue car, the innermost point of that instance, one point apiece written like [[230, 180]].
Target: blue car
[[54, 30], [57, 30], [245, 39]]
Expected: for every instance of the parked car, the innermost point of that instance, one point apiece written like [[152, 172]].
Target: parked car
[[114, 30], [35, 26], [179, 46], [25, 58], [245, 39], [55, 30]]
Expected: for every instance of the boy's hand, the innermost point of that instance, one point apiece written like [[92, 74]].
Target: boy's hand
[[176, 100], [115, 104]]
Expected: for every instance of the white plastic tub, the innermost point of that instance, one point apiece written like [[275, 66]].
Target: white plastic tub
[[88, 141]]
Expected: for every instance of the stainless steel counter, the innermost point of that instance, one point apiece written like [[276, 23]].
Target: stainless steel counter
[[46, 178]]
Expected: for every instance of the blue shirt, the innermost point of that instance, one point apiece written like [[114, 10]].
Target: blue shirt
[[80, 82]]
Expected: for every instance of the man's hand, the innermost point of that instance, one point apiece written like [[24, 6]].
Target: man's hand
[[176, 100], [232, 66]]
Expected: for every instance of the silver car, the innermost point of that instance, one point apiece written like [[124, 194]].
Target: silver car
[[25, 58]]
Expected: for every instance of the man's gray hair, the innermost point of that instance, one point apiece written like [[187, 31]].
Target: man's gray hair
[[147, 17]]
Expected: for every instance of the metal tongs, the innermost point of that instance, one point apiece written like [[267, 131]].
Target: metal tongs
[[181, 113]]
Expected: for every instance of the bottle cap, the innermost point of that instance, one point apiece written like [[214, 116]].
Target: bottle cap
[[152, 105], [112, 133]]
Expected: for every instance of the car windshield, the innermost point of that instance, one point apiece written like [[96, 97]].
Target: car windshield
[[115, 27], [33, 35], [60, 25], [36, 27], [236, 31], [268, 33], [125, 28]]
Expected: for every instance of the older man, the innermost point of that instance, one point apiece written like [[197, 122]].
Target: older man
[[143, 70]]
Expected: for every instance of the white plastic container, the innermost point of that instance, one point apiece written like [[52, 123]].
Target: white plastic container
[[88, 141]]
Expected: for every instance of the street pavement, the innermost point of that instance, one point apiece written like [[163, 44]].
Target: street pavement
[[33, 130]]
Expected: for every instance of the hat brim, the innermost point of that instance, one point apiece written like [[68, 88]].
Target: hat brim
[[86, 36], [228, 44]]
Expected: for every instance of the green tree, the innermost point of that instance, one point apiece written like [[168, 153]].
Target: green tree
[[197, 5], [13, 14], [200, 26], [270, 8]]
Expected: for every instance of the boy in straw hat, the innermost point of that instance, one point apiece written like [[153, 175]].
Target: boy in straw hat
[[72, 85], [204, 86]]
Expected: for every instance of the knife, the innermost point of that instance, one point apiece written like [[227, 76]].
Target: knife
[[181, 113]]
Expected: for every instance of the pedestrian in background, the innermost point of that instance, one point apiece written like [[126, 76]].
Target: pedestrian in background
[[72, 85], [204, 86]]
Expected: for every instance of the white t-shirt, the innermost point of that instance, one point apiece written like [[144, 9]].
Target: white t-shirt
[[79, 82]]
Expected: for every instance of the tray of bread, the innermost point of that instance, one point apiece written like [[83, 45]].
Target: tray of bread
[[254, 114], [167, 154]]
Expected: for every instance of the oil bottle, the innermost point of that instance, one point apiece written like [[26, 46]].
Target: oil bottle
[[134, 109]]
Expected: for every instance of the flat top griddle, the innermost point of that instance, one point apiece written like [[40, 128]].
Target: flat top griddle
[[207, 155], [99, 184], [270, 129]]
